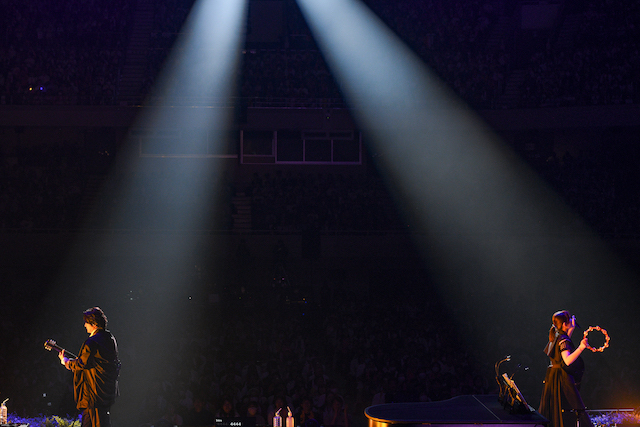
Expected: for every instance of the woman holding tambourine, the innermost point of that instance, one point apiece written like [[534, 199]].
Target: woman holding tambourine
[[561, 403]]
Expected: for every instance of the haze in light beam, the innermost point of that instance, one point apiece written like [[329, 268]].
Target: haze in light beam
[[506, 251], [143, 276]]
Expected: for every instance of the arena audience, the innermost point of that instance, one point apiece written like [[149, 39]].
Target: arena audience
[[344, 358], [62, 53], [75, 53], [53, 187]]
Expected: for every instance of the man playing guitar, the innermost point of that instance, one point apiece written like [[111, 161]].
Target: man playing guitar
[[95, 371]]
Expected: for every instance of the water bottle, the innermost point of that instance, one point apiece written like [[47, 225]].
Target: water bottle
[[3, 412], [290, 422], [277, 419]]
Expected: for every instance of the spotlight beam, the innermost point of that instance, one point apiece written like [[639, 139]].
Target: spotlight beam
[[202, 66], [203, 63], [451, 171], [161, 193], [415, 120], [504, 248]]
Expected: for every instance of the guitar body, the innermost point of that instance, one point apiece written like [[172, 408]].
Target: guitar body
[[51, 345]]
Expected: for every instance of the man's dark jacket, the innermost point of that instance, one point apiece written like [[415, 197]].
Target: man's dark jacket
[[95, 371]]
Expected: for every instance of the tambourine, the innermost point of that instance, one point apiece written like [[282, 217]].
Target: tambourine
[[606, 338]]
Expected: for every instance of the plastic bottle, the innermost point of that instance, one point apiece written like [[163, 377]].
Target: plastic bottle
[[3, 412], [290, 422], [277, 419]]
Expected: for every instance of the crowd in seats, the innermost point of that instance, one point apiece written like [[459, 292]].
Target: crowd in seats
[[453, 38], [46, 187], [62, 53], [289, 74], [42, 186], [73, 53], [341, 360], [599, 188], [322, 202], [169, 16], [58, 186], [448, 36], [470, 49], [598, 68], [168, 19]]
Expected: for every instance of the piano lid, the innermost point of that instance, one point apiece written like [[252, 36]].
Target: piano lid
[[468, 409]]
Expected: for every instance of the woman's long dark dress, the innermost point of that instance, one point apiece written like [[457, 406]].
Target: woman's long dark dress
[[561, 403]]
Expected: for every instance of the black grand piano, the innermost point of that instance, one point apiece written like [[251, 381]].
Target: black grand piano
[[469, 410]]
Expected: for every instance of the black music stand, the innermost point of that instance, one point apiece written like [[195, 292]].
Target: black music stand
[[511, 397]]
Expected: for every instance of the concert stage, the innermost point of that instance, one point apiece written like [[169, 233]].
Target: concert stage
[[470, 410]]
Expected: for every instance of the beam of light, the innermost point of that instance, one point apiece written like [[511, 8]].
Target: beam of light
[[205, 57], [201, 70], [506, 252], [194, 89], [145, 283], [181, 192]]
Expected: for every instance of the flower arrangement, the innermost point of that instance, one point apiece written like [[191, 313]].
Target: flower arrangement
[[42, 421], [614, 418]]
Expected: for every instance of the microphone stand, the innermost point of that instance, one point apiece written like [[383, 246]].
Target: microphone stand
[[501, 385]]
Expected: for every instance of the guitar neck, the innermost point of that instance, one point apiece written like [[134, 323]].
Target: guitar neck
[[56, 347]]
